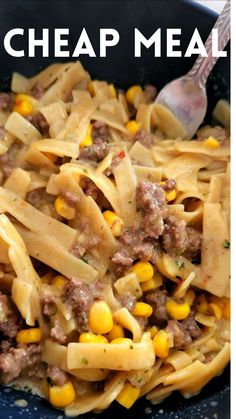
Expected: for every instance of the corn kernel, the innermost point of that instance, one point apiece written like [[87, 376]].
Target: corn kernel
[[122, 341], [144, 270], [100, 318], [115, 223], [90, 88], [211, 142], [132, 92], [116, 332], [24, 108], [61, 396], [133, 127], [153, 283], [226, 311], [89, 337], [215, 310], [128, 395], [201, 304], [177, 311], [50, 156], [63, 209], [170, 196], [29, 335], [88, 140], [190, 297], [161, 344], [142, 309], [59, 281], [153, 330]]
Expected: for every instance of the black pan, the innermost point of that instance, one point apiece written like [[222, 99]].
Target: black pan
[[123, 69]]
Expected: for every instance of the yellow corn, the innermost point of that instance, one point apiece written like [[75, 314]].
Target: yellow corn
[[59, 281], [24, 104], [211, 142], [153, 330], [131, 93], [88, 140], [29, 335], [226, 311], [190, 297], [177, 311], [61, 396], [170, 196], [63, 209], [201, 304], [51, 156], [144, 270], [116, 332], [215, 310], [128, 395], [122, 341], [89, 337], [100, 318], [161, 344], [142, 309], [153, 283], [90, 88], [113, 90], [115, 223], [133, 127]]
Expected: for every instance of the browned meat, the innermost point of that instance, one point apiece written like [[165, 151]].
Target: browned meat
[[7, 164], [100, 130], [169, 185], [56, 376], [39, 122], [48, 305], [127, 301], [56, 332], [6, 102], [10, 321], [208, 131], [71, 199], [78, 249], [95, 152], [133, 244], [37, 371], [99, 149], [191, 326], [5, 345], [18, 359], [79, 296], [146, 139], [150, 199], [174, 238], [181, 336], [90, 189], [37, 90], [194, 242], [39, 197], [157, 299]]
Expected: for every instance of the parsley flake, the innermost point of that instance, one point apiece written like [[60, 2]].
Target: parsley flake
[[179, 264], [226, 244], [84, 360]]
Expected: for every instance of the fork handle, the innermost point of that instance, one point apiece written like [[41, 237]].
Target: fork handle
[[203, 65]]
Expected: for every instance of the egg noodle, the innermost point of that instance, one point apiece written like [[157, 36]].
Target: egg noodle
[[93, 265]]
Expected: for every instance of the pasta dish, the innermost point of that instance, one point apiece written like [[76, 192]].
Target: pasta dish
[[114, 243]]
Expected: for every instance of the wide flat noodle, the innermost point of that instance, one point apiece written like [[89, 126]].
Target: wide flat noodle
[[26, 285], [115, 356]]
